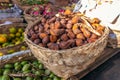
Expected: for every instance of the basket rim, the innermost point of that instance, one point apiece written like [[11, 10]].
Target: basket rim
[[27, 9], [106, 32]]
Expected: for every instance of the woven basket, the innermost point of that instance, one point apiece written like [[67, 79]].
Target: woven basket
[[5, 30], [29, 18], [69, 62], [114, 39]]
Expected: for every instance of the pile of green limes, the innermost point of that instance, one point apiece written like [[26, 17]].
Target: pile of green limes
[[26, 70]]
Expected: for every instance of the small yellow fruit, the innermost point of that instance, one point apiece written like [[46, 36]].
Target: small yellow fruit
[[18, 34], [18, 42], [10, 51], [12, 30], [3, 39], [12, 35], [23, 48], [20, 30], [1, 54]]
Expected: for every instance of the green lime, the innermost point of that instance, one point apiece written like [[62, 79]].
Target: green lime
[[26, 67], [29, 78], [11, 36], [5, 44], [16, 64], [20, 30], [10, 44], [5, 35], [56, 78], [21, 38], [39, 72], [23, 48], [27, 71], [18, 42], [52, 75], [7, 71], [0, 77], [5, 77], [35, 63], [17, 39], [8, 66], [41, 66], [47, 72], [18, 34], [13, 30], [24, 62], [10, 51], [18, 67]]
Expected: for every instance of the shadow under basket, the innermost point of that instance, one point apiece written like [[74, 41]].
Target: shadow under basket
[[69, 62]]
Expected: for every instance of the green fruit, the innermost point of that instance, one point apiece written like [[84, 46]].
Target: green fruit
[[0, 77], [23, 34], [11, 36], [18, 34], [17, 39], [8, 66], [21, 38], [17, 79], [5, 77], [18, 67], [16, 64], [35, 63], [29, 78], [23, 48], [45, 78], [18, 42], [56, 78], [20, 30], [27, 71], [47, 72], [51, 75], [5, 35], [24, 62], [41, 66], [5, 44], [10, 44], [49, 79], [13, 30], [40, 72], [10, 51], [26, 67], [7, 71]]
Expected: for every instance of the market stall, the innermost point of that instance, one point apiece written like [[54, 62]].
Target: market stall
[[55, 40]]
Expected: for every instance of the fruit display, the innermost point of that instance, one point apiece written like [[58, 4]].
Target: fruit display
[[26, 70], [4, 5], [12, 39], [32, 2], [65, 31], [37, 10]]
